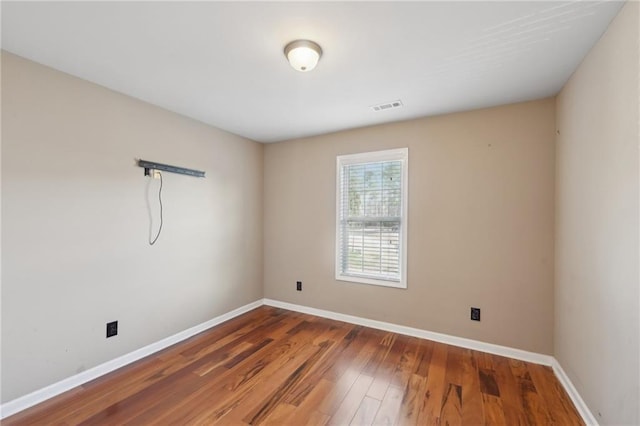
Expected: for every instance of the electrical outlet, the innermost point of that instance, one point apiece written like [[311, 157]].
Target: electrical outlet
[[299, 285], [475, 314], [112, 328], [156, 174]]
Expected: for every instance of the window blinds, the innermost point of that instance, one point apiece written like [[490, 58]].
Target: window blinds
[[370, 215]]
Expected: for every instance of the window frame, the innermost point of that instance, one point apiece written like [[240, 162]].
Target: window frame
[[398, 154]]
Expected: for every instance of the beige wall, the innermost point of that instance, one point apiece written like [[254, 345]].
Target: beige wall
[[75, 225], [481, 198], [597, 323]]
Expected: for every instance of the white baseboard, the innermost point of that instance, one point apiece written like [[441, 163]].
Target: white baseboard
[[581, 406], [520, 354], [69, 383], [36, 397]]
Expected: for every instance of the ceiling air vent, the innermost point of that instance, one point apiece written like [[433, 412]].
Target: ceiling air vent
[[387, 105]]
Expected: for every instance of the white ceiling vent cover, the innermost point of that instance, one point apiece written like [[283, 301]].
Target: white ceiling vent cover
[[387, 105]]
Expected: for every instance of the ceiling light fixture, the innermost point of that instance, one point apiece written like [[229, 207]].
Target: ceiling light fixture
[[303, 55]]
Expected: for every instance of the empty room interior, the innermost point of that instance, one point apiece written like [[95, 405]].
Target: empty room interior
[[340, 213]]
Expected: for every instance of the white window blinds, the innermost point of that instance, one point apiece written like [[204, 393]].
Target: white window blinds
[[371, 222]]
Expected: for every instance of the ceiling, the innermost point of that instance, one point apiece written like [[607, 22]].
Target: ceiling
[[222, 62]]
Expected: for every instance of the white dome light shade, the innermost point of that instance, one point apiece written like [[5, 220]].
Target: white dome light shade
[[303, 55]]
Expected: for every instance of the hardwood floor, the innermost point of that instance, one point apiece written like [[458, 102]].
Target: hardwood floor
[[272, 366]]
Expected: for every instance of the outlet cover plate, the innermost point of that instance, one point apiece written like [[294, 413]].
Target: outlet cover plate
[[112, 329], [475, 314]]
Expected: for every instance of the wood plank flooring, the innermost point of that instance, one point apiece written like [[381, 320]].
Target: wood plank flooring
[[277, 367]]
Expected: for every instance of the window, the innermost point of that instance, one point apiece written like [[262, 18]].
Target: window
[[371, 223]]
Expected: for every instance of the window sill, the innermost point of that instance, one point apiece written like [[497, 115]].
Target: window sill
[[402, 284]]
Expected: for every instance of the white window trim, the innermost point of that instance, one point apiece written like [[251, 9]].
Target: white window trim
[[401, 154]]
